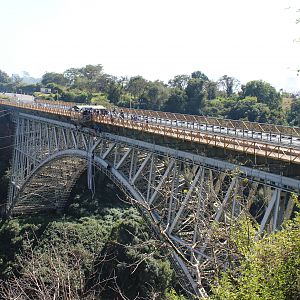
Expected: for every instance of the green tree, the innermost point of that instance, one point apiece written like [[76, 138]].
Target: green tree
[[4, 78], [199, 75], [249, 109], [211, 88], [294, 114], [52, 77], [264, 92], [176, 101], [195, 92], [179, 81], [137, 266], [91, 72], [136, 87], [114, 89], [71, 75], [156, 95], [215, 107], [269, 269], [30, 88], [228, 84]]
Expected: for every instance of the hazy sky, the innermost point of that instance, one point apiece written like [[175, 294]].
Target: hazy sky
[[158, 39]]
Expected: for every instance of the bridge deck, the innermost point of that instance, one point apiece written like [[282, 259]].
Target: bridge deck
[[269, 149]]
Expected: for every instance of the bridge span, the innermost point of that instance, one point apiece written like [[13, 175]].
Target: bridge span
[[190, 201], [270, 141]]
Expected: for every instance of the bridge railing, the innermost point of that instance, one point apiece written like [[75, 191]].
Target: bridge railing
[[260, 148], [264, 148], [216, 124], [192, 121]]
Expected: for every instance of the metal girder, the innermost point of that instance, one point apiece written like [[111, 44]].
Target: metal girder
[[161, 182], [181, 194], [241, 136], [226, 198], [274, 202], [185, 200], [138, 173]]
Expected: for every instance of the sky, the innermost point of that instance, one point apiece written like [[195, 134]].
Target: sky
[[157, 39]]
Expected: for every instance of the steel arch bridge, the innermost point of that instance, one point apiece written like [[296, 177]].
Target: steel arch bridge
[[182, 195]]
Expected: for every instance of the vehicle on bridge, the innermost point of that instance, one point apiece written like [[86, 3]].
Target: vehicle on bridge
[[96, 109], [84, 116]]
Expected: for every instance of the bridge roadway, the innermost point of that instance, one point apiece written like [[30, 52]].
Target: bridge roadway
[[257, 139], [288, 135]]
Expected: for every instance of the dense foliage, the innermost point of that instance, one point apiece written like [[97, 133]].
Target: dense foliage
[[195, 94], [100, 249], [270, 266]]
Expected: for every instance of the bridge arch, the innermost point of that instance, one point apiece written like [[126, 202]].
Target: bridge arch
[[80, 161]]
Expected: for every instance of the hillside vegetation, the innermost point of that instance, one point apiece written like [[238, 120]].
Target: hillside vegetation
[[193, 93], [99, 249]]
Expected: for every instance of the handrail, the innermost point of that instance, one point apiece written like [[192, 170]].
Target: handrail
[[212, 121], [236, 143], [291, 131]]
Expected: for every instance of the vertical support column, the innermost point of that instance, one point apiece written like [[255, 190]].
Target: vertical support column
[[133, 163], [200, 196], [268, 214], [150, 178], [281, 207], [289, 208], [172, 198], [15, 162]]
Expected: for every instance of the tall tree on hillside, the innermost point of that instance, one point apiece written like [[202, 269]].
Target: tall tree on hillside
[[199, 75], [228, 84], [52, 77], [4, 78], [179, 81], [71, 74], [264, 92], [90, 78], [91, 72], [211, 88], [5, 82], [157, 94], [176, 101], [294, 114], [114, 89], [196, 93], [136, 87]]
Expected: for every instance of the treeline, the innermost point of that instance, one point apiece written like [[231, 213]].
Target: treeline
[[193, 94]]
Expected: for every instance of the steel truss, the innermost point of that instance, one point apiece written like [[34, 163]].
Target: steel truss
[[182, 195]]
